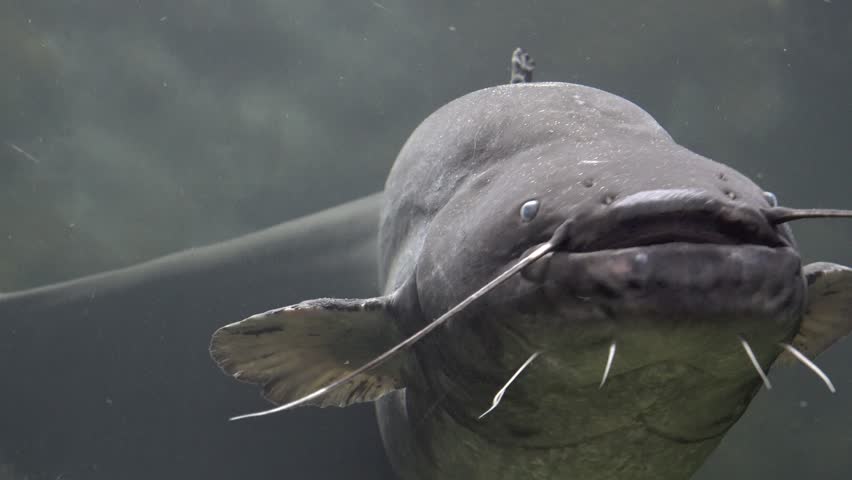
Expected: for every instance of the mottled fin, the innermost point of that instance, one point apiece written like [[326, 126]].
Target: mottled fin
[[293, 351], [828, 313]]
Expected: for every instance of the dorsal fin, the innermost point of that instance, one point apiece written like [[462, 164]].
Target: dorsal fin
[[522, 67]]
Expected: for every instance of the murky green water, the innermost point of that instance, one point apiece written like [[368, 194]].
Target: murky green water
[[131, 129]]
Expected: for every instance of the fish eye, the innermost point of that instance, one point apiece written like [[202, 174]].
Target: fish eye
[[771, 199], [529, 210]]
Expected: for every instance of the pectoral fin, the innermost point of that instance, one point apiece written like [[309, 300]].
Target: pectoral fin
[[828, 312], [293, 351]]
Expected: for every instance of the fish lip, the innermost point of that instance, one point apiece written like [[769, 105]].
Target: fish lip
[[706, 280], [671, 216]]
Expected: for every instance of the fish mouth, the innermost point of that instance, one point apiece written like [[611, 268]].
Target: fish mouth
[[685, 278], [674, 252], [676, 227], [671, 216]]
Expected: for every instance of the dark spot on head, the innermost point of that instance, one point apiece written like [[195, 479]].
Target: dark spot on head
[[723, 177], [588, 182]]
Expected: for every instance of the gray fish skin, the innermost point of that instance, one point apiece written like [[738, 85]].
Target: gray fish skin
[[680, 379]]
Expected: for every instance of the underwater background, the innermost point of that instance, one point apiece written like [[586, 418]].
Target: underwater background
[[130, 129]]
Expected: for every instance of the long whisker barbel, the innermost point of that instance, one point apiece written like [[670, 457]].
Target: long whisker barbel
[[779, 215], [502, 391], [754, 362], [811, 365], [609, 360]]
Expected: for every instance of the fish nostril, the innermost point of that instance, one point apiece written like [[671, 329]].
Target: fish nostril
[[730, 194], [588, 183]]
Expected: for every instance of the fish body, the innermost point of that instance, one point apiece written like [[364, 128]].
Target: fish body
[[575, 150], [668, 255]]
